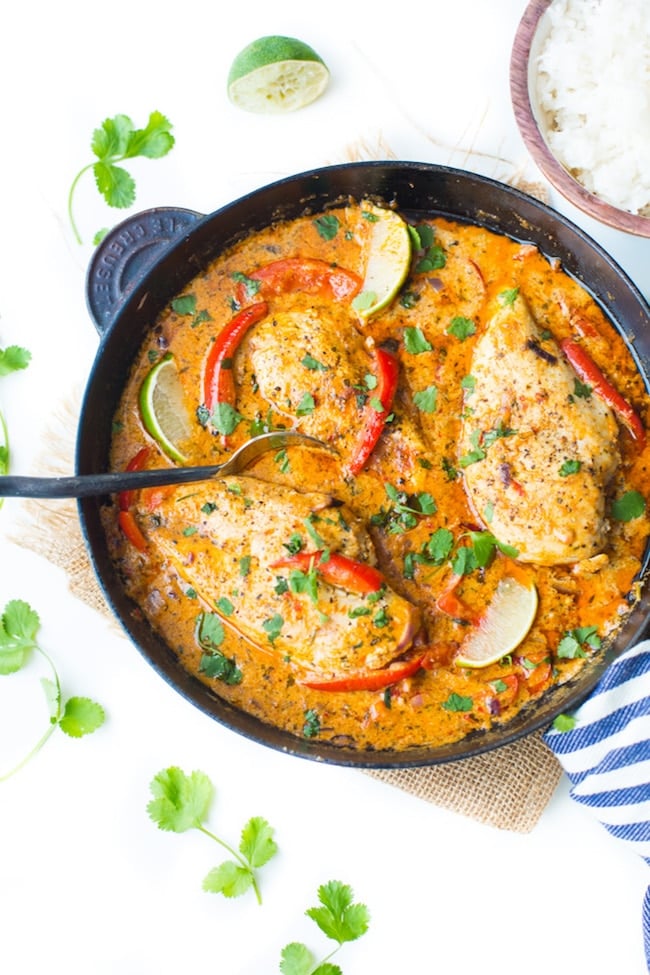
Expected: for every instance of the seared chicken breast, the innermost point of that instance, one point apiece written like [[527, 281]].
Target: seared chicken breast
[[224, 538], [314, 366], [538, 449]]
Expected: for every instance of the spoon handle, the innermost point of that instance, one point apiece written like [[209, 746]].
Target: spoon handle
[[93, 485]]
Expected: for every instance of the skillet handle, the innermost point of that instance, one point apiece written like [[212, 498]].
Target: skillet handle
[[127, 252]]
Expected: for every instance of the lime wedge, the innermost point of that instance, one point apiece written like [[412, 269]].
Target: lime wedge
[[388, 262], [163, 410], [505, 624], [276, 74]]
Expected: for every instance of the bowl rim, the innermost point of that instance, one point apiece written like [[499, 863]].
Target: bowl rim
[[535, 142]]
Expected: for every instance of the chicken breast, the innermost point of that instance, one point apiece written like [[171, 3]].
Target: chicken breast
[[309, 364], [537, 449], [314, 366], [223, 539]]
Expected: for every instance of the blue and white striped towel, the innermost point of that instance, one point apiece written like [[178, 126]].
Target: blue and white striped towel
[[606, 756]]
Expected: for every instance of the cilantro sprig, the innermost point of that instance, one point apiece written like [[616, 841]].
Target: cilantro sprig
[[115, 141], [12, 359], [78, 716], [340, 920], [182, 802]]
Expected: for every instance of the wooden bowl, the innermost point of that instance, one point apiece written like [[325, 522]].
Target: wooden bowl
[[529, 38]]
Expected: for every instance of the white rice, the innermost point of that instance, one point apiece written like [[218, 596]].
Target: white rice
[[594, 86]]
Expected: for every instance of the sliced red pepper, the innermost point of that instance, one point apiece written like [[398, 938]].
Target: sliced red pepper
[[126, 498], [374, 420], [309, 275], [218, 382], [452, 605], [131, 529], [539, 677], [589, 372], [337, 570], [366, 680], [511, 690]]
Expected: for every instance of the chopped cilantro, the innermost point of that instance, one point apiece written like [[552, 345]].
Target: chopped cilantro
[[457, 702], [569, 467], [273, 627], [306, 405], [311, 727], [629, 506], [508, 296], [461, 327], [426, 399], [414, 340], [314, 365], [327, 226]]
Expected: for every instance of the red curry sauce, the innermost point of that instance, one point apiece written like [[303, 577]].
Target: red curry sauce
[[458, 277]]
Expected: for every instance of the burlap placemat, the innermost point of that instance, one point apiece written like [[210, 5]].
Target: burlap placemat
[[508, 788]]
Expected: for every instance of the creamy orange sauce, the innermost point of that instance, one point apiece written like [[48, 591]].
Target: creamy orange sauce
[[423, 709]]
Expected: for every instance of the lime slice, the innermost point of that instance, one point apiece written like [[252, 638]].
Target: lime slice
[[163, 410], [388, 263], [505, 624], [276, 74]]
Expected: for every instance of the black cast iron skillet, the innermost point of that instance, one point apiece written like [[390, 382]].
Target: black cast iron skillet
[[145, 261]]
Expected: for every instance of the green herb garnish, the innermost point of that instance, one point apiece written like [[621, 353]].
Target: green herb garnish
[[339, 919], [182, 802], [629, 506], [78, 716], [114, 142]]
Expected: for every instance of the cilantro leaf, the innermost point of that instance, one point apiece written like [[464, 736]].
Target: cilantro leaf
[[18, 628], [81, 716], [629, 506], [181, 801], [426, 399], [338, 918], [13, 358], [458, 702], [225, 419], [565, 722], [257, 844], [415, 340], [115, 141], [297, 959], [228, 879], [115, 185]]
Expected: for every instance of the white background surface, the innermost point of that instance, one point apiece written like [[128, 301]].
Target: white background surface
[[87, 882]]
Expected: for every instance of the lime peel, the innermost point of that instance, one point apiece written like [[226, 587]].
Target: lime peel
[[163, 410], [388, 262], [503, 627], [276, 74]]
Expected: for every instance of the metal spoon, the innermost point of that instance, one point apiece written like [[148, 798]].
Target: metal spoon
[[89, 485]]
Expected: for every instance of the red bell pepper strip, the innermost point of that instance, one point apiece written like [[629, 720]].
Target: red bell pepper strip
[[126, 498], [337, 570], [309, 275], [131, 529], [218, 382], [374, 420], [452, 605], [589, 372], [366, 680]]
